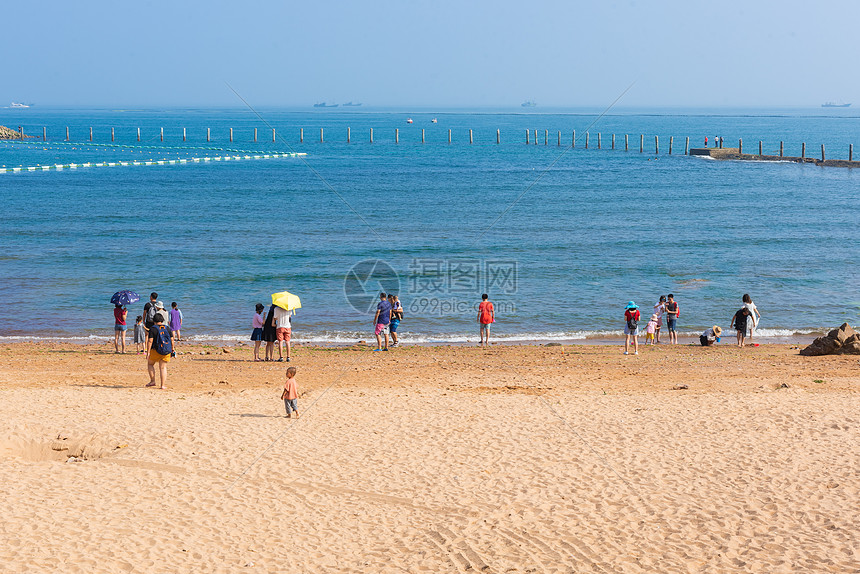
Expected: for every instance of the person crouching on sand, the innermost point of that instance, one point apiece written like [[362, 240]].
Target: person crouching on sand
[[631, 327], [291, 393], [710, 336]]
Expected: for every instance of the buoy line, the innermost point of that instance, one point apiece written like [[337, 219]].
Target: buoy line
[[205, 159]]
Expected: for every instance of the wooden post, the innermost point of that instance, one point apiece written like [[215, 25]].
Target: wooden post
[[111, 134], [559, 138], [470, 137], [687, 146], [91, 134], [321, 135], [535, 136], [371, 135], [273, 135], [740, 146], [850, 152], [780, 149], [802, 150], [671, 141], [21, 132], [822, 152], [208, 134], [760, 147], [231, 134], [183, 134], [422, 135], [641, 143], [138, 134], [586, 140], [573, 140], [255, 135], [396, 135], [498, 136], [45, 134], [656, 145], [599, 141], [546, 137], [449, 135], [527, 136], [301, 135], [613, 141], [162, 134], [349, 134], [67, 133], [626, 146]]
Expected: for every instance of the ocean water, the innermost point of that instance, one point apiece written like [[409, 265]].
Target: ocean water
[[560, 238]]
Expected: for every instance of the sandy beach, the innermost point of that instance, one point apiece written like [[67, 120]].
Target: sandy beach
[[431, 459]]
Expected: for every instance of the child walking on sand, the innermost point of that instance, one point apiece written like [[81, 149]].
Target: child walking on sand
[[651, 330], [139, 334], [291, 393]]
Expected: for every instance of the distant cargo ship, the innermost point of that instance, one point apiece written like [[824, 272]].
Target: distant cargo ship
[[835, 105], [528, 104], [325, 105], [351, 105]]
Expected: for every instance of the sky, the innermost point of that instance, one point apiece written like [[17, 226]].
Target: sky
[[431, 53]]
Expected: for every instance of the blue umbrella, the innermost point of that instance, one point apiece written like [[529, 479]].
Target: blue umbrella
[[124, 297]]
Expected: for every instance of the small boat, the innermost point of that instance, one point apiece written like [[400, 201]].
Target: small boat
[[325, 105], [829, 105], [351, 105], [409, 120], [17, 105], [434, 121], [528, 104]]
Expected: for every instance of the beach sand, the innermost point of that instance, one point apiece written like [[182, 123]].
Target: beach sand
[[431, 459]]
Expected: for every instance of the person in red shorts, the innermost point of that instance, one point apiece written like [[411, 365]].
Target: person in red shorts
[[283, 332]]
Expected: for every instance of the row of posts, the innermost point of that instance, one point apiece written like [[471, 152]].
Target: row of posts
[[498, 140]]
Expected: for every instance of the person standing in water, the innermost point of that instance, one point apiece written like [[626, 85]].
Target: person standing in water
[[754, 315]]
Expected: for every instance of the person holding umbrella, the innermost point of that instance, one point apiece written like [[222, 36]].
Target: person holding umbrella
[[284, 303], [120, 299]]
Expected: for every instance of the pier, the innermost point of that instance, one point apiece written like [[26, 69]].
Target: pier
[[736, 154]]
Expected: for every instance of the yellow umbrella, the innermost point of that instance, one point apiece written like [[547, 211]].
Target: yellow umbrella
[[286, 300]]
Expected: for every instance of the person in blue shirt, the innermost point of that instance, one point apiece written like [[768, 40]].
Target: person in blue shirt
[[382, 319]]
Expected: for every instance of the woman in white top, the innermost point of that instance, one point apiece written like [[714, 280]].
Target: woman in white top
[[659, 309], [754, 314]]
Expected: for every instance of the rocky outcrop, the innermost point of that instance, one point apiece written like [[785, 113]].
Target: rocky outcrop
[[841, 341], [10, 134]]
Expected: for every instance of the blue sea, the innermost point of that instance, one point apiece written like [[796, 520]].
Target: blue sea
[[560, 237]]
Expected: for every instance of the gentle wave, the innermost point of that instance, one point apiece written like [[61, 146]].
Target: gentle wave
[[352, 337]]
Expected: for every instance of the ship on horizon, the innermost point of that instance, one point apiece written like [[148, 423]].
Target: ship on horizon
[[835, 105], [325, 105], [17, 105], [351, 105], [528, 104]]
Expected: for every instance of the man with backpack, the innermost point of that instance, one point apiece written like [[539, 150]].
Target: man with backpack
[[149, 316], [161, 350]]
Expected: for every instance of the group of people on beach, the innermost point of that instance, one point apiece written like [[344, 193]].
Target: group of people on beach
[[172, 317], [275, 326], [746, 318]]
